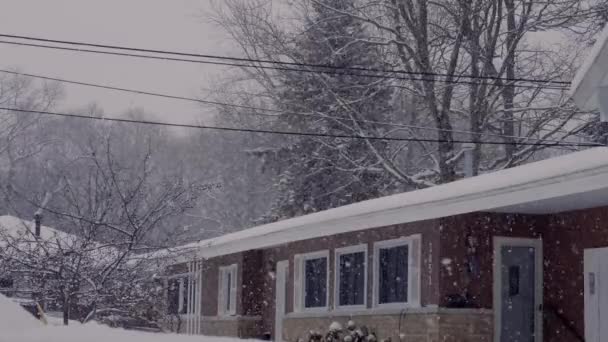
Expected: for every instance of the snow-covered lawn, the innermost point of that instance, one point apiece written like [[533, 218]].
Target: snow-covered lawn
[[17, 325]]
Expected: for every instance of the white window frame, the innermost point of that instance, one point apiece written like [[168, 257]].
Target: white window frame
[[222, 310], [183, 278], [414, 243], [299, 281], [349, 250]]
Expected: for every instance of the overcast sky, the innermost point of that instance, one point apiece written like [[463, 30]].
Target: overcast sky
[[154, 24]]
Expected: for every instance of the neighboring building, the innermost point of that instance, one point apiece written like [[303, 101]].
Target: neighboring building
[[498, 257], [590, 85], [15, 283]]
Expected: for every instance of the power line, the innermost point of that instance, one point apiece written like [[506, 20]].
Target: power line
[[288, 133], [330, 72], [139, 92], [276, 111], [267, 61]]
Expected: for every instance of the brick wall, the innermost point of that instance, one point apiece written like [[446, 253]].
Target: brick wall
[[565, 239], [426, 325], [454, 278], [429, 274]]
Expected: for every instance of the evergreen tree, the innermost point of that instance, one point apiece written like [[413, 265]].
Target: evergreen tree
[[321, 173]]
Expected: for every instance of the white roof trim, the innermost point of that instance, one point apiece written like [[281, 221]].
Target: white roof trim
[[591, 75], [567, 175]]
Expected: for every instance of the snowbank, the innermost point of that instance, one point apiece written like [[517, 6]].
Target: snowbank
[[98, 333], [14, 318], [16, 325]]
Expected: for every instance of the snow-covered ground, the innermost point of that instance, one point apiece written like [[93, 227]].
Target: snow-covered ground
[[17, 325]]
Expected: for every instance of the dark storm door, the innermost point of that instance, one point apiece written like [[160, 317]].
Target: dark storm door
[[518, 290]]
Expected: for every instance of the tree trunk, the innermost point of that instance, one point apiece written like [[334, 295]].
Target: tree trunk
[[66, 310]]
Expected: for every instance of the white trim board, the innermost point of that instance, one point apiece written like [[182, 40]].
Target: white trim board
[[280, 295], [389, 312], [537, 244], [232, 294]]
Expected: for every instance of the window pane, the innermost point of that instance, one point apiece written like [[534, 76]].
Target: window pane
[[315, 283], [352, 279], [393, 274]]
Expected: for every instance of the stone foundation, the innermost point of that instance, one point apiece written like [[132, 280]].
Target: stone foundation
[[240, 326], [420, 325]]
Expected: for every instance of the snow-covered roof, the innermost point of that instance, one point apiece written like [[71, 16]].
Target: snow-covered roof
[[574, 181], [16, 227], [592, 75]]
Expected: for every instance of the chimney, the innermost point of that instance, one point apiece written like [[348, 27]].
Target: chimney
[[37, 220], [468, 148]]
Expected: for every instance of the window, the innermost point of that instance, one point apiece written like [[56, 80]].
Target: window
[[397, 272], [351, 277], [6, 286], [311, 281], [6, 283], [227, 290], [178, 294]]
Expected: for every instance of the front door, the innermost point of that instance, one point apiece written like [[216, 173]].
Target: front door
[[281, 283], [518, 290], [596, 294]]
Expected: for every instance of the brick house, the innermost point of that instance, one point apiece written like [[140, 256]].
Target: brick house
[[515, 255], [507, 256]]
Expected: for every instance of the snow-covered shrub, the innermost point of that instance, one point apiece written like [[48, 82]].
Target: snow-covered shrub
[[336, 333]]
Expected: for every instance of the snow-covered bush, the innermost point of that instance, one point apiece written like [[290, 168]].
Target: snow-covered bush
[[336, 333]]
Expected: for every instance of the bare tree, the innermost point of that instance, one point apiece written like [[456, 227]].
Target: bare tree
[[110, 206], [456, 62], [21, 135]]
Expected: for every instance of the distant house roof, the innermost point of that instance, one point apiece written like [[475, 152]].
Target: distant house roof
[[17, 227], [592, 76], [21, 233], [575, 181]]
